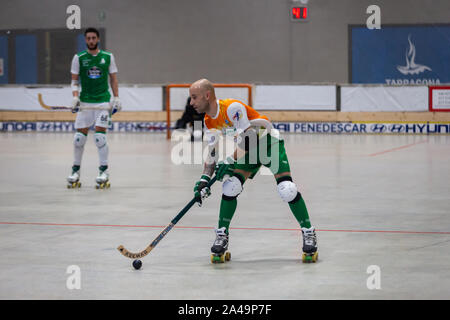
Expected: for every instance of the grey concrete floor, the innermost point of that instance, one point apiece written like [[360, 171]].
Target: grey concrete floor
[[376, 201]]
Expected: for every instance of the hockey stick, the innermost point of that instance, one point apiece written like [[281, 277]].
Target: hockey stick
[[45, 106], [150, 127], [166, 230]]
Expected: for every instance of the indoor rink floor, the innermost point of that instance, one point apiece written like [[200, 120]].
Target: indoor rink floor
[[380, 203]]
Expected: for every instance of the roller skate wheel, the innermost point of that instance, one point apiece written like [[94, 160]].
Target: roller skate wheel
[[74, 185], [108, 185], [217, 259], [308, 258], [97, 186], [227, 256]]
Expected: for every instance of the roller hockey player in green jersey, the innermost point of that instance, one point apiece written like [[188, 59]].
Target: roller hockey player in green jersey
[[253, 145], [90, 69]]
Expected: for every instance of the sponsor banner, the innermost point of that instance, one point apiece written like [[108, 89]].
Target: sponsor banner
[[364, 127], [439, 98], [400, 54], [291, 127]]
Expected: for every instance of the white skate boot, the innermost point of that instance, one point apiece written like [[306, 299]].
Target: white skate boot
[[219, 250], [73, 181], [102, 179], [310, 253]]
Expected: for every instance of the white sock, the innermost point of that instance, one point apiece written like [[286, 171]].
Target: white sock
[[102, 146], [79, 141]]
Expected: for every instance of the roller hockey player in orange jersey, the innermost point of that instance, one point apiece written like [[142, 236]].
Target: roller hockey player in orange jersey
[[232, 115]]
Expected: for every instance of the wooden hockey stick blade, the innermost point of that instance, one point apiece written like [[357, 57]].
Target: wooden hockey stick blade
[[149, 248], [146, 251], [45, 106]]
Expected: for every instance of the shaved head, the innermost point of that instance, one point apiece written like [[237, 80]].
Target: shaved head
[[204, 85], [202, 95]]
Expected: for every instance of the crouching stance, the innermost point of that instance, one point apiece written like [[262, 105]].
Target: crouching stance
[[244, 163]]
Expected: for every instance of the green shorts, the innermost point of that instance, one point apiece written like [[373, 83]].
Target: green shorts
[[270, 152]]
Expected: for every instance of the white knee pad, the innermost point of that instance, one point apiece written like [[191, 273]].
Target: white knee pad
[[232, 187], [79, 139], [100, 140], [287, 191]]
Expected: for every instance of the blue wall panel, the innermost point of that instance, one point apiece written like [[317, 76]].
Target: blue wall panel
[[26, 59], [81, 43], [4, 58], [401, 55]]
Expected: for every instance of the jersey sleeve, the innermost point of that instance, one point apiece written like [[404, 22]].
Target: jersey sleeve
[[112, 65], [75, 68], [237, 113]]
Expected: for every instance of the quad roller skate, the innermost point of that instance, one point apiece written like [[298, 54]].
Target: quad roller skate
[[73, 181], [310, 253], [102, 179], [219, 253]]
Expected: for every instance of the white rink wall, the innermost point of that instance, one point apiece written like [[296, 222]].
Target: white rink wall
[[351, 98], [381, 98], [24, 98]]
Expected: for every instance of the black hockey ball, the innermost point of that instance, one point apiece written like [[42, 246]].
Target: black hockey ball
[[137, 264]]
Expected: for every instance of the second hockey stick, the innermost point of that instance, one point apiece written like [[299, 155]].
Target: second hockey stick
[[174, 221], [45, 106]]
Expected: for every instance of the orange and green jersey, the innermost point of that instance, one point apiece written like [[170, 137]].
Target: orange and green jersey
[[234, 115]]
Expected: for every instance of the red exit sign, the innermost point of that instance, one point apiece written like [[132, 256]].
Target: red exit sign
[[299, 13]]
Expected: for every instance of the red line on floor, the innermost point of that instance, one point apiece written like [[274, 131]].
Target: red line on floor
[[398, 148], [191, 227]]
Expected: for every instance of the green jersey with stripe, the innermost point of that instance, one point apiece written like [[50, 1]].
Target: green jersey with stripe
[[93, 75]]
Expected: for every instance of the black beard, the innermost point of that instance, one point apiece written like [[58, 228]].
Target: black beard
[[93, 48]]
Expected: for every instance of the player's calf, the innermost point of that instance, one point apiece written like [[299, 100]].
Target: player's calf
[[288, 191], [79, 140], [102, 145]]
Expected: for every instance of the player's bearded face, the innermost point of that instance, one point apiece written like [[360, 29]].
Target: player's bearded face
[[199, 101], [92, 41]]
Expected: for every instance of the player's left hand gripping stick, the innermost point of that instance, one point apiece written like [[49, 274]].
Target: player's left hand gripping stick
[[202, 189]]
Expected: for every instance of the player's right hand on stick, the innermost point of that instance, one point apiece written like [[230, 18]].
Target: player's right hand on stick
[[201, 189], [75, 104]]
